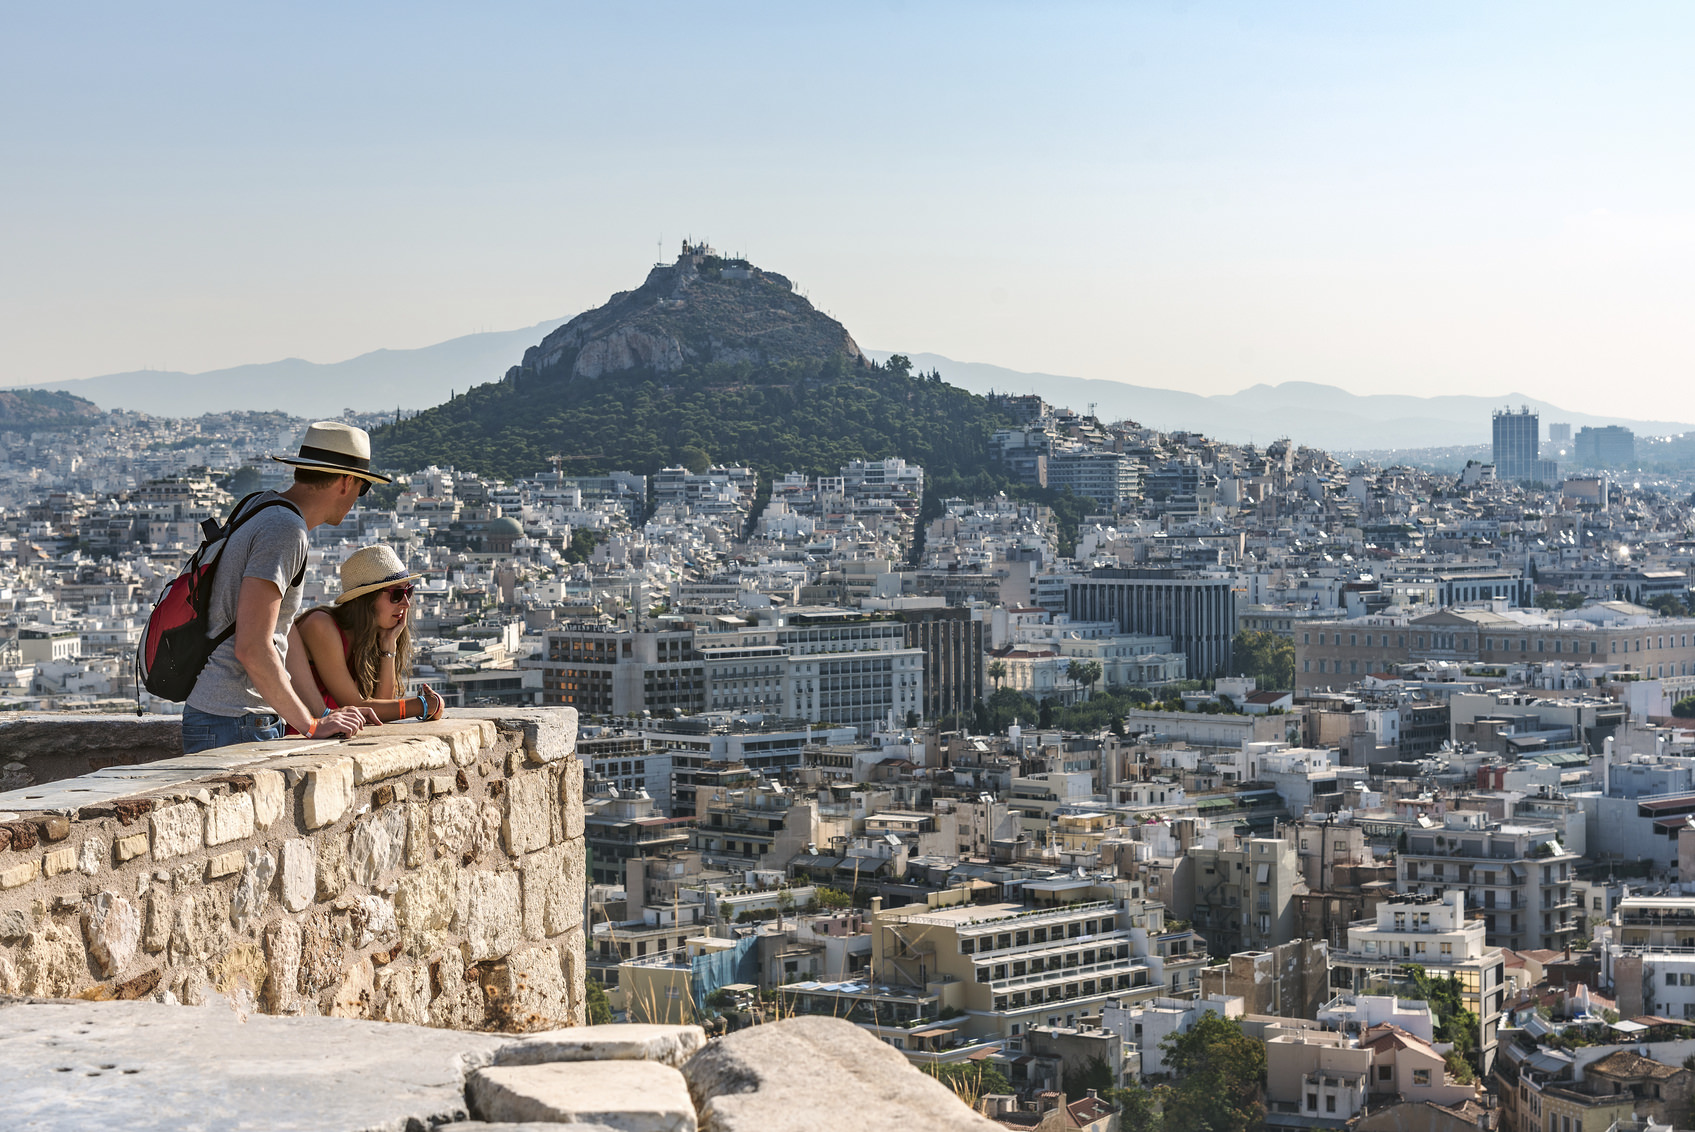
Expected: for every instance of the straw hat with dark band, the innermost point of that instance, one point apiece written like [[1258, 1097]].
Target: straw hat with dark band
[[331, 446], [371, 568]]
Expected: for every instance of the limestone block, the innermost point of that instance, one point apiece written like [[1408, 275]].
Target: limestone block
[[229, 818], [527, 991], [252, 891], [199, 926], [453, 825], [158, 931], [333, 873], [441, 784], [423, 907], [417, 834], [373, 918], [269, 794], [573, 960], [176, 830], [50, 962], [353, 998], [635, 1096], [492, 918], [21, 873], [667, 1045], [571, 798], [299, 873], [460, 1006], [767, 1076], [14, 925], [526, 824], [378, 846], [88, 859], [128, 848], [59, 861], [112, 927], [240, 974], [282, 975], [328, 793], [553, 890], [224, 864], [404, 993], [323, 955], [387, 758]]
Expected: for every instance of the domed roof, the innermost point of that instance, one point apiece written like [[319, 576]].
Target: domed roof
[[505, 525]]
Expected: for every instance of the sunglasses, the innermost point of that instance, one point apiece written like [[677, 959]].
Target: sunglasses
[[364, 488], [398, 594]]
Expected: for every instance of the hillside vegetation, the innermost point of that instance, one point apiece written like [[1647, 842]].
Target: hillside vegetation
[[46, 409], [806, 415]]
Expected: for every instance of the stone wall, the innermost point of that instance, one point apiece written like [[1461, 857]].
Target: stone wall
[[430, 873], [33, 750]]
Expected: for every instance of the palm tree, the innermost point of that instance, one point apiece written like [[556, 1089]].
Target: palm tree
[[997, 672], [1091, 673], [1074, 673]]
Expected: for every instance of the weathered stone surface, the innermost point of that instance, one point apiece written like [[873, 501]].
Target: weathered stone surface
[[14, 925], [373, 919], [252, 891], [224, 864], [323, 955], [282, 972], [229, 818], [353, 998], [491, 920], [764, 1077], [328, 793], [526, 991], [112, 927], [276, 1074], [383, 757], [423, 907], [404, 992], [459, 1006], [333, 873], [667, 1045], [441, 784], [571, 799], [635, 1096], [525, 826], [453, 823], [157, 934], [553, 890], [379, 845], [417, 834], [240, 973], [55, 828], [50, 962], [573, 960], [128, 848], [269, 794], [59, 861], [20, 874], [176, 830], [198, 926], [299, 874], [89, 857]]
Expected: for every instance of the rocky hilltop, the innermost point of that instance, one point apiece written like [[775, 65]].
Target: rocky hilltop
[[702, 308]]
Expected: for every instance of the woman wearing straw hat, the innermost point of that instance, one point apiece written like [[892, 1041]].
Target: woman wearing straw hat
[[357, 651]]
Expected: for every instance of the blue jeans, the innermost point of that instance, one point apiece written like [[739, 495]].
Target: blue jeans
[[202, 731]]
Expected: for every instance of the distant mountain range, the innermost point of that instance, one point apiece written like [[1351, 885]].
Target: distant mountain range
[[1321, 416], [379, 380]]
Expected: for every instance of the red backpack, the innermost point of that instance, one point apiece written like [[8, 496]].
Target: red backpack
[[179, 641]]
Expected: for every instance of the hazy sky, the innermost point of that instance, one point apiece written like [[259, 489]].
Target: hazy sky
[[1417, 197]]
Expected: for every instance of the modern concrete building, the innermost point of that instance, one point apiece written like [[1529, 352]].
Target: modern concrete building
[[1516, 443], [1433, 933], [1517, 876], [1648, 955], [1197, 612]]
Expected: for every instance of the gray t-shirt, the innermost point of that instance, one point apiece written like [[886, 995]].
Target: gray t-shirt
[[271, 545]]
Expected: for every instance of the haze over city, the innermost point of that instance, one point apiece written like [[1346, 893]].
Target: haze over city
[[1414, 198]]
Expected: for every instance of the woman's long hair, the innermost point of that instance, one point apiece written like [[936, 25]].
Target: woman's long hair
[[358, 619]]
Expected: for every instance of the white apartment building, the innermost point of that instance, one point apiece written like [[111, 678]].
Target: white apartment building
[[1434, 933], [1648, 955], [1517, 874]]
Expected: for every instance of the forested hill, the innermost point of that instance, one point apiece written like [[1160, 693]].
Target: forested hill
[[46, 409], [807, 414]]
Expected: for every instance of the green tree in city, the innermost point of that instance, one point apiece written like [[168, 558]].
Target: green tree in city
[[1267, 657], [1138, 1106], [600, 1007], [996, 672], [1220, 1077]]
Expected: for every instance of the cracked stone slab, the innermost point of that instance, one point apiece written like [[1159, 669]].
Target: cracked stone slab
[[767, 1076], [143, 1066], [632, 1096], [633, 1041]]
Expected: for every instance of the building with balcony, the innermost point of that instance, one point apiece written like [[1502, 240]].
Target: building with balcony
[[1434, 933], [1648, 956], [1516, 875]]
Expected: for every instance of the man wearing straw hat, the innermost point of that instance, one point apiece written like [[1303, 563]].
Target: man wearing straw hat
[[243, 694]]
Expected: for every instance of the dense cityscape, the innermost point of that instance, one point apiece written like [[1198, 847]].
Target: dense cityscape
[[1379, 768]]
